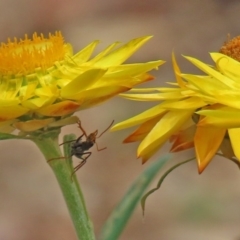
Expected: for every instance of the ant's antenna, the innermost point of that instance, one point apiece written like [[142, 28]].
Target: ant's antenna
[[106, 129]]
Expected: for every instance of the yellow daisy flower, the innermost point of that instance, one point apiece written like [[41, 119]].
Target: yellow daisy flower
[[200, 111], [43, 83]]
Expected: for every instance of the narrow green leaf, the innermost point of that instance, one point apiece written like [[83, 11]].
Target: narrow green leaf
[[144, 198], [121, 214], [68, 140]]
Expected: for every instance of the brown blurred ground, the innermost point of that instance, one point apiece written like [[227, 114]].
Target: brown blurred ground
[[188, 206]]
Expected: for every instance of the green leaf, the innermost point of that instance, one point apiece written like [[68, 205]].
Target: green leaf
[[4, 136], [68, 140], [121, 214], [144, 198]]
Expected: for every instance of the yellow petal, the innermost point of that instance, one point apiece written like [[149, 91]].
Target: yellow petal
[[33, 125], [229, 98], [177, 72], [62, 82], [140, 118], [11, 112], [82, 82], [211, 72], [36, 103], [11, 87], [135, 69], [92, 97], [205, 84], [183, 139], [83, 55], [27, 91], [154, 96], [189, 103], [177, 146], [214, 91], [227, 66], [195, 93], [234, 135], [223, 117], [102, 54], [142, 131], [59, 109], [169, 124], [162, 89], [207, 141], [44, 79], [136, 80], [65, 71], [47, 91], [9, 102], [122, 53], [126, 81], [98, 92]]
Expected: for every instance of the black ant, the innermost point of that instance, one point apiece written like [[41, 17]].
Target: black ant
[[79, 147]]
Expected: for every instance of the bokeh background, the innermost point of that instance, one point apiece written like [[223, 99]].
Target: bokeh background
[[188, 205]]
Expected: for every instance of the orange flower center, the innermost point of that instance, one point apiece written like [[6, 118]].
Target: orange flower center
[[25, 55], [231, 48]]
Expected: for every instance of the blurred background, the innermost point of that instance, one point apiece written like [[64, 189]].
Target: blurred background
[[188, 205]]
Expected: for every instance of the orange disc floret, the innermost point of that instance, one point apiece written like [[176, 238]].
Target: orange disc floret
[[25, 55], [231, 48]]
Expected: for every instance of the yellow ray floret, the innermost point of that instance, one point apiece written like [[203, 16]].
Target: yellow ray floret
[[207, 141], [41, 77], [198, 111]]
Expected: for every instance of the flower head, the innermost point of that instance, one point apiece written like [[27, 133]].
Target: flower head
[[198, 111], [43, 83]]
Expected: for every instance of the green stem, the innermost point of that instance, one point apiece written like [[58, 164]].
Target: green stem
[[70, 188]]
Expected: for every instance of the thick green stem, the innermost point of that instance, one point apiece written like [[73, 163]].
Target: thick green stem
[[70, 188]]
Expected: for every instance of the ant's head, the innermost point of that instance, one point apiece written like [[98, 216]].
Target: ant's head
[[92, 136]]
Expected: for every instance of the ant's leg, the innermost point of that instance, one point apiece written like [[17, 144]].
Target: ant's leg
[[81, 128], [68, 142], [79, 138], [99, 149], [62, 144], [78, 167], [84, 160]]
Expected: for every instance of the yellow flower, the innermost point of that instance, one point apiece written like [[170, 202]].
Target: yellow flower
[[43, 83], [200, 111]]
